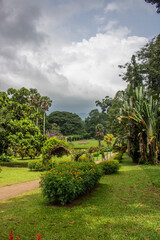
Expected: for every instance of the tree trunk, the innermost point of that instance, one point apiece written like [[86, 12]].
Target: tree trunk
[[142, 148], [99, 141], [37, 119], [44, 130]]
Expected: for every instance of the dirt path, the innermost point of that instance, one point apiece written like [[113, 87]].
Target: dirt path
[[19, 188]]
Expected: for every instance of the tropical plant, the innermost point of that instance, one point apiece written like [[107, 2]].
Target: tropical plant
[[46, 102], [108, 139], [35, 100], [100, 133], [142, 111]]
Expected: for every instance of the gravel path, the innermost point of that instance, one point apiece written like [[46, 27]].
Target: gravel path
[[17, 189]]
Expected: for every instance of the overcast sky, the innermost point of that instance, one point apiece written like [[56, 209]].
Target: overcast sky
[[70, 49]]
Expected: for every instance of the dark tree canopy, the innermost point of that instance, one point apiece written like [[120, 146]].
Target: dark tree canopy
[[95, 117], [69, 123], [157, 2], [144, 68]]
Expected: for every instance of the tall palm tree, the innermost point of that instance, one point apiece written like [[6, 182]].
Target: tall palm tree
[[99, 133], [35, 100], [46, 102]]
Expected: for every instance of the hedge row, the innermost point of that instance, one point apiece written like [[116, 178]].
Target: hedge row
[[14, 164], [64, 183]]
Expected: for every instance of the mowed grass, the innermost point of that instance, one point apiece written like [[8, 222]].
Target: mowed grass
[[154, 174], [123, 206], [87, 143], [14, 175]]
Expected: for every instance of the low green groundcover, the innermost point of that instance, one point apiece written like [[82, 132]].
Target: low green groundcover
[[64, 183]]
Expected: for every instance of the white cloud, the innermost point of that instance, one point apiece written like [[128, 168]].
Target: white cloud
[[91, 66], [39, 53], [111, 7], [127, 5], [82, 71]]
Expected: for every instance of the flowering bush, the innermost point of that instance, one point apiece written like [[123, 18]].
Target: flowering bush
[[64, 183], [109, 166]]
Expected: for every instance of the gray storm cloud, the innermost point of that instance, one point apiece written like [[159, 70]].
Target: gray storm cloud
[[37, 50]]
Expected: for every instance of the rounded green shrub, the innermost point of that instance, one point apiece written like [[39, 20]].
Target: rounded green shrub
[[64, 183], [110, 166], [85, 158], [5, 158], [82, 156], [77, 154], [36, 165], [92, 149]]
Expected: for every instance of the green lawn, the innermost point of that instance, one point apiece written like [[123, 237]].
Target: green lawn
[[87, 143], [10, 176], [154, 174], [123, 206]]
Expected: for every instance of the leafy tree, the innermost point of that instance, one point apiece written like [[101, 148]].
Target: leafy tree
[[69, 123], [133, 73], [15, 108], [143, 72], [108, 139], [104, 104], [144, 68], [149, 58], [35, 100], [100, 133], [5, 118], [46, 102], [21, 95], [25, 138], [112, 122], [157, 2], [95, 117]]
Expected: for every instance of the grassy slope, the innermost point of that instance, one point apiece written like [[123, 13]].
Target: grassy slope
[[10, 176], [123, 206]]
